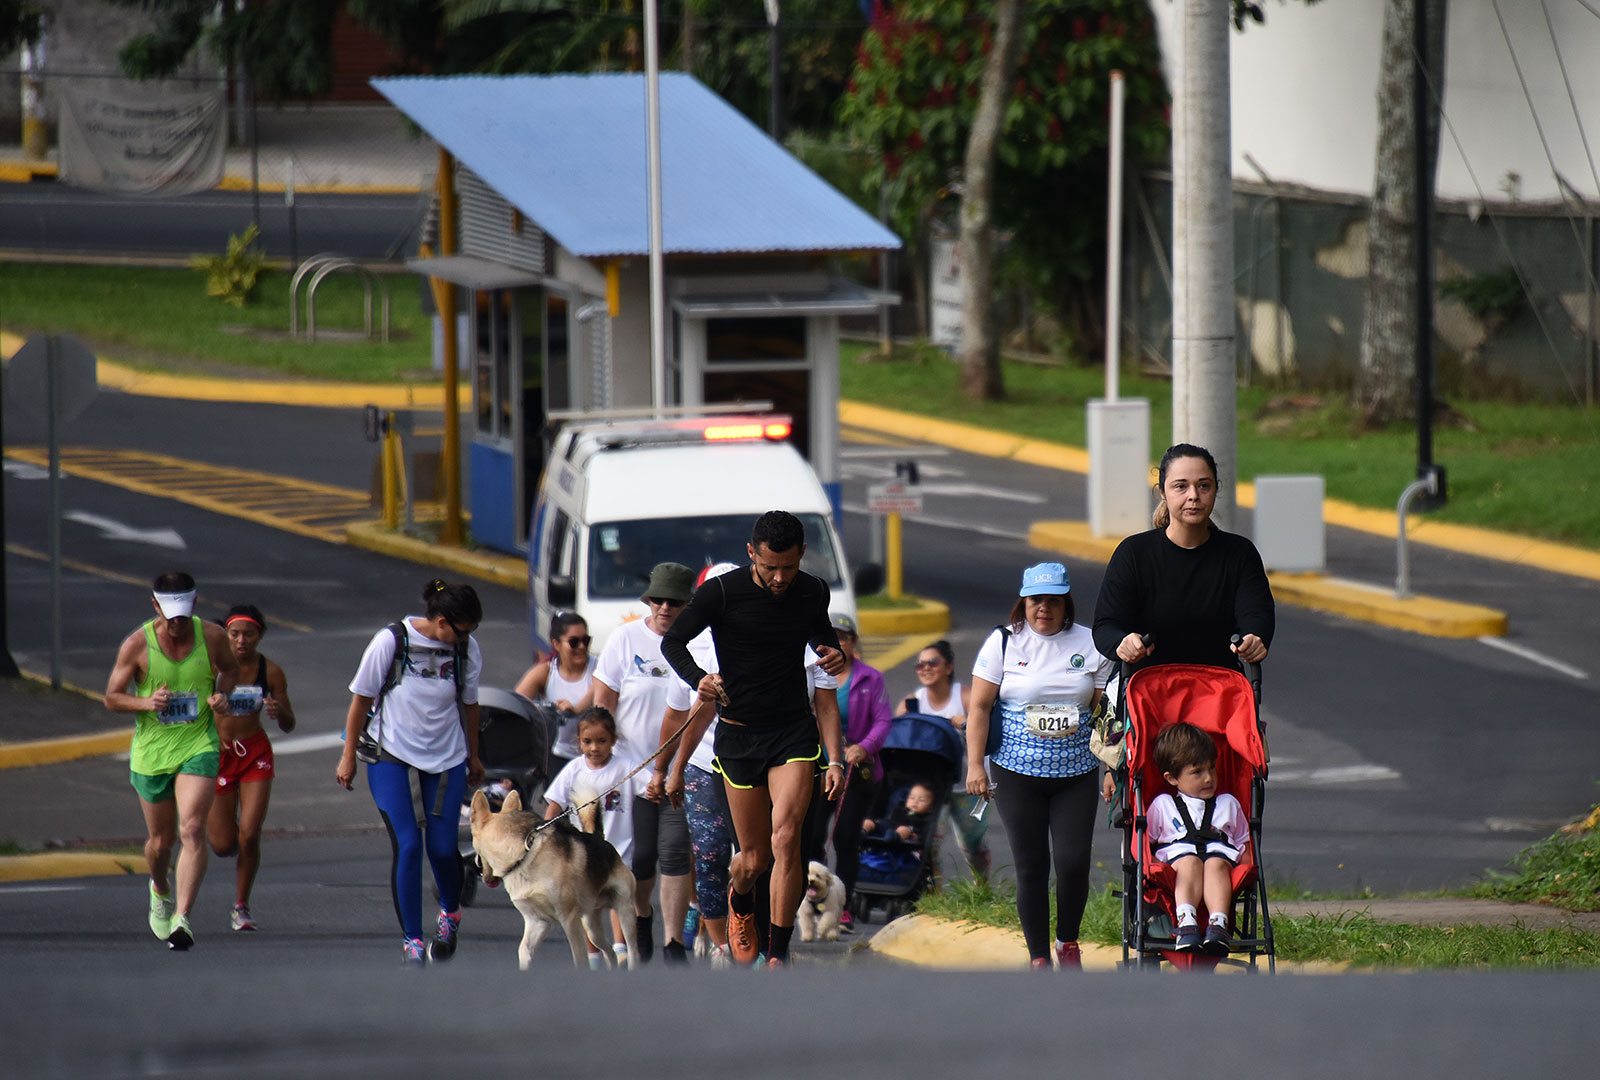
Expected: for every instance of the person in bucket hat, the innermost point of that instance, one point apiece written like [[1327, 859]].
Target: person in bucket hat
[[1038, 676]]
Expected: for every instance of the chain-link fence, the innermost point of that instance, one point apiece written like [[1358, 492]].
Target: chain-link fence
[[1515, 306]]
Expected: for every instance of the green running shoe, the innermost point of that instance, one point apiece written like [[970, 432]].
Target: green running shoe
[[181, 938], [161, 911]]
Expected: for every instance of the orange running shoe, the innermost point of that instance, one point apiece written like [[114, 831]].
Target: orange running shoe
[[775, 964], [741, 934]]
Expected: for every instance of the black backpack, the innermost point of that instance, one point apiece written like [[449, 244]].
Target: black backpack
[[367, 744]]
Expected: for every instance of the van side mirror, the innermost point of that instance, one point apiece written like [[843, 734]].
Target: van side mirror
[[868, 579], [562, 593]]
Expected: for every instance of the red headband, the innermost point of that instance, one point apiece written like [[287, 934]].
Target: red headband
[[235, 618]]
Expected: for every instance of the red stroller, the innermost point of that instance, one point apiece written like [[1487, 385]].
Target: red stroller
[[1226, 705]]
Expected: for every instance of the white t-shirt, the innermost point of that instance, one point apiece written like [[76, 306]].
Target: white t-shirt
[[632, 665], [1165, 825], [953, 707], [577, 783], [420, 724], [559, 688], [682, 695], [1062, 669]]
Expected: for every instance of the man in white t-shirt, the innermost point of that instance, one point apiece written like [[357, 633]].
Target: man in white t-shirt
[[631, 679]]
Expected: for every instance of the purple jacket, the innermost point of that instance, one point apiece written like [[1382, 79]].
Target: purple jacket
[[870, 713]]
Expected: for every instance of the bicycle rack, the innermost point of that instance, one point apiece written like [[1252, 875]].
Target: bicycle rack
[[319, 267]]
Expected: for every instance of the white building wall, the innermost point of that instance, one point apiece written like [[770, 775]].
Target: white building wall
[[1304, 95]]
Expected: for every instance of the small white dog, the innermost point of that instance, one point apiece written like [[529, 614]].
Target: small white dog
[[822, 904]]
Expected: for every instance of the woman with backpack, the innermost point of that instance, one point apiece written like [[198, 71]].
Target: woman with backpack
[[414, 705]]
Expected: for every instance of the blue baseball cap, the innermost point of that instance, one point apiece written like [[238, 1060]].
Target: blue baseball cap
[[1045, 579]]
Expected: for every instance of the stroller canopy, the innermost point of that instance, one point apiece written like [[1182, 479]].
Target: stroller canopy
[[928, 734]]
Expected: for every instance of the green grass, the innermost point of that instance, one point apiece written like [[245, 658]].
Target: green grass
[[161, 319], [1526, 468], [1356, 939], [1560, 870], [884, 602]]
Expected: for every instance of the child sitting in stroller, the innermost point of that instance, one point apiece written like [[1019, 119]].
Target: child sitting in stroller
[[910, 820], [1200, 833]]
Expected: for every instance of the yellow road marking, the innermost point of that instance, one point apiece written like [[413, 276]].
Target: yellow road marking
[[304, 507], [884, 653], [126, 579]]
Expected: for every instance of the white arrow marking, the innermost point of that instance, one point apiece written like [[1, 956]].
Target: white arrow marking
[[305, 744], [116, 530], [24, 471], [1536, 657]]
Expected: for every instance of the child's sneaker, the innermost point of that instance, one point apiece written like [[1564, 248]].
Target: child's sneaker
[[620, 950], [721, 959], [1039, 963], [161, 912], [1189, 938], [847, 922], [1217, 942], [1069, 956], [412, 951], [597, 961], [443, 945], [181, 938], [240, 919]]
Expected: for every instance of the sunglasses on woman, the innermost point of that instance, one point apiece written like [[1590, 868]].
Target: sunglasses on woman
[[927, 665], [576, 642]]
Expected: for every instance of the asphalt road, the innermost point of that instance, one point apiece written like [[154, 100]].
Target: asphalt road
[[60, 220]]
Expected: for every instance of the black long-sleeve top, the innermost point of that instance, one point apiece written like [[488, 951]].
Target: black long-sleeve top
[[1192, 599], [761, 643]]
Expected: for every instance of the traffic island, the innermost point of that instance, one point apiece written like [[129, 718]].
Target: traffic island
[[879, 615], [1319, 592], [487, 566], [69, 864]]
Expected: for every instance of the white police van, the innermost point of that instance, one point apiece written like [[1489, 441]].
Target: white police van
[[619, 496]]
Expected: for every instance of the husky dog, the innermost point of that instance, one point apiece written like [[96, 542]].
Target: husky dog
[[557, 875], [820, 907]]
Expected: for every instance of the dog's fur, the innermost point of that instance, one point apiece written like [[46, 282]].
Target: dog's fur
[[821, 906], [570, 877]]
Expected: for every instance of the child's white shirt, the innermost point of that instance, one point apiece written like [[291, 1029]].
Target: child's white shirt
[[577, 782], [1166, 826]]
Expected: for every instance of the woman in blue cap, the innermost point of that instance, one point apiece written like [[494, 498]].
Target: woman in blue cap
[[1043, 669]]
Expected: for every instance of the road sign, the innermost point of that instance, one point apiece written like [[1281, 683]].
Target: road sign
[[26, 389], [894, 497]]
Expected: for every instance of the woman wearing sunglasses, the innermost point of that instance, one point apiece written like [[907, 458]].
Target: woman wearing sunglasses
[[631, 680], [941, 694], [565, 680]]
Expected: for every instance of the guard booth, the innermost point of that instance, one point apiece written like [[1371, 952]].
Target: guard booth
[[552, 271]]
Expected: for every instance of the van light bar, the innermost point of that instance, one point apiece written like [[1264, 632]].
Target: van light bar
[[719, 432]]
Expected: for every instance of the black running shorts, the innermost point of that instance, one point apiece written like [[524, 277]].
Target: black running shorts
[[744, 754]]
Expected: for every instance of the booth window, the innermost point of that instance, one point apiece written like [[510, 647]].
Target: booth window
[[756, 340], [492, 363]]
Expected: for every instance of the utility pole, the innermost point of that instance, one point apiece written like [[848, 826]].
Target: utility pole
[[1204, 391], [1422, 201], [775, 67]]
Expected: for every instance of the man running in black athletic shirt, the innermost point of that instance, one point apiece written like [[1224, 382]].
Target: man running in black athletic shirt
[[761, 619]]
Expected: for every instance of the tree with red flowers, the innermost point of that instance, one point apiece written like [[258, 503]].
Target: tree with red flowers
[[914, 93]]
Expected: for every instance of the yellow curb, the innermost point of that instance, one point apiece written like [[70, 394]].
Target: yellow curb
[[68, 864], [23, 172], [428, 396], [500, 569], [1419, 614], [1466, 539], [49, 751], [959, 945], [337, 187], [9, 344], [928, 617]]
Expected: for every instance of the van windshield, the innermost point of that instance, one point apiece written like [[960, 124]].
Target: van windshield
[[621, 553]]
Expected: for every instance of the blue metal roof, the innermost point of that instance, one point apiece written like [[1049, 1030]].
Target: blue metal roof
[[569, 152]]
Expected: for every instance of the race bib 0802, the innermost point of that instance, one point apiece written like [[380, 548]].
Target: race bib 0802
[[1051, 721]]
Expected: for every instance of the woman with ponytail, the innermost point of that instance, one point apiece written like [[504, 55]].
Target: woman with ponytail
[[422, 675], [1185, 583]]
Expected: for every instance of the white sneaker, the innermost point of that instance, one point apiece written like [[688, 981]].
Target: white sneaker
[[162, 909], [720, 957], [240, 918]]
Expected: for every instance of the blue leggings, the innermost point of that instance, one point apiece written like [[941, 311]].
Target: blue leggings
[[390, 782]]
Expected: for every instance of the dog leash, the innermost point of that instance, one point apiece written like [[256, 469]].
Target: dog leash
[[699, 703]]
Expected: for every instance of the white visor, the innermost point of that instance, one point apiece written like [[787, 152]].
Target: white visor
[[175, 605]]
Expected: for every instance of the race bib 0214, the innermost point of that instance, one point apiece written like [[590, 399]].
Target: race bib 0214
[[1052, 721]]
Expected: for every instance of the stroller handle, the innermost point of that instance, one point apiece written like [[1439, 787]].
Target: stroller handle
[[1252, 670]]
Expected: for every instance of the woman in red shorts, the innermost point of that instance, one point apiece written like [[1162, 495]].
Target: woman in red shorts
[[244, 778]]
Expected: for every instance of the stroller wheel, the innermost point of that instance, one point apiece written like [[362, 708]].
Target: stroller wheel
[[861, 908]]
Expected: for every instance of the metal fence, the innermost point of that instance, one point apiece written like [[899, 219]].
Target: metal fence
[[1516, 300]]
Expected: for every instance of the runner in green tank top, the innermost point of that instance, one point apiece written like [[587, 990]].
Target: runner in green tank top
[[172, 673]]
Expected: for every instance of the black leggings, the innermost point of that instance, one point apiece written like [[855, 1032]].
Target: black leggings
[[847, 815], [1047, 816]]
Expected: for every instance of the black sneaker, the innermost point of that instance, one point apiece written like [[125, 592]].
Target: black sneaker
[[674, 952], [1188, 938], [645, 936], [1217, 942], [443, 945]]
